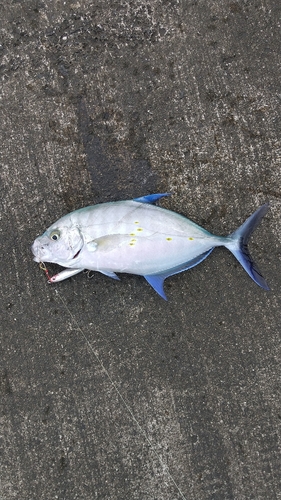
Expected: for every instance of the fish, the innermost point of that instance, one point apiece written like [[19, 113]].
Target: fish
[[138, 237]]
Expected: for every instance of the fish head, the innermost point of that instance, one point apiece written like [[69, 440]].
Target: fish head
[[59, 244]]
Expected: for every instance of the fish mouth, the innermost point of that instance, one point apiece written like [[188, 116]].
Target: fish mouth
[[35, 252]]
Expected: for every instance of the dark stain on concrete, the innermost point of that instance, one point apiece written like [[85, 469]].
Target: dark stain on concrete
[[111, 179]]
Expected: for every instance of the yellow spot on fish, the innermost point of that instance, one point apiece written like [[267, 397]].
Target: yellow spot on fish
[[131, 244], [169, 239], [136, 222], [139, 229], [190, 238], [132, 234]]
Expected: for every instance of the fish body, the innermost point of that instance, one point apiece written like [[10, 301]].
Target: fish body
[[137, 237]]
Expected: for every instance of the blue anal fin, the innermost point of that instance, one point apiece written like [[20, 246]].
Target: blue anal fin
[[157, 280], [151, 198]]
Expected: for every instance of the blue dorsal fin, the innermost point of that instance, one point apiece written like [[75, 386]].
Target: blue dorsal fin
[[157, 280], [151, 198]]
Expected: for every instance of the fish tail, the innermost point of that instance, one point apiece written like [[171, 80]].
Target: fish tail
[[238, 244]]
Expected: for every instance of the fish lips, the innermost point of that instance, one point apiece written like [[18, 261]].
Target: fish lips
[[36, 249]]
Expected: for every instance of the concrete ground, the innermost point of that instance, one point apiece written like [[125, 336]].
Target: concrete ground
[[107, 391]]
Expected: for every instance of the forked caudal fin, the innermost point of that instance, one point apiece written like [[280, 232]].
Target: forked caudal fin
[[237, 244]]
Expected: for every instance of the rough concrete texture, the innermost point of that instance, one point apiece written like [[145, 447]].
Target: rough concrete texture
[[108, 392]]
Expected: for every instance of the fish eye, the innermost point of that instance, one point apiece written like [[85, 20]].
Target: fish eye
[[55, 235]]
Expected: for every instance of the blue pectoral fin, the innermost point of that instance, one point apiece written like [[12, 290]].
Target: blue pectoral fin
[[157, 280], [151, 198], [110, 274], [238, 245]]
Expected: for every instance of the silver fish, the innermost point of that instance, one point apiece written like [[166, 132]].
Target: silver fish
[[138, 237]]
